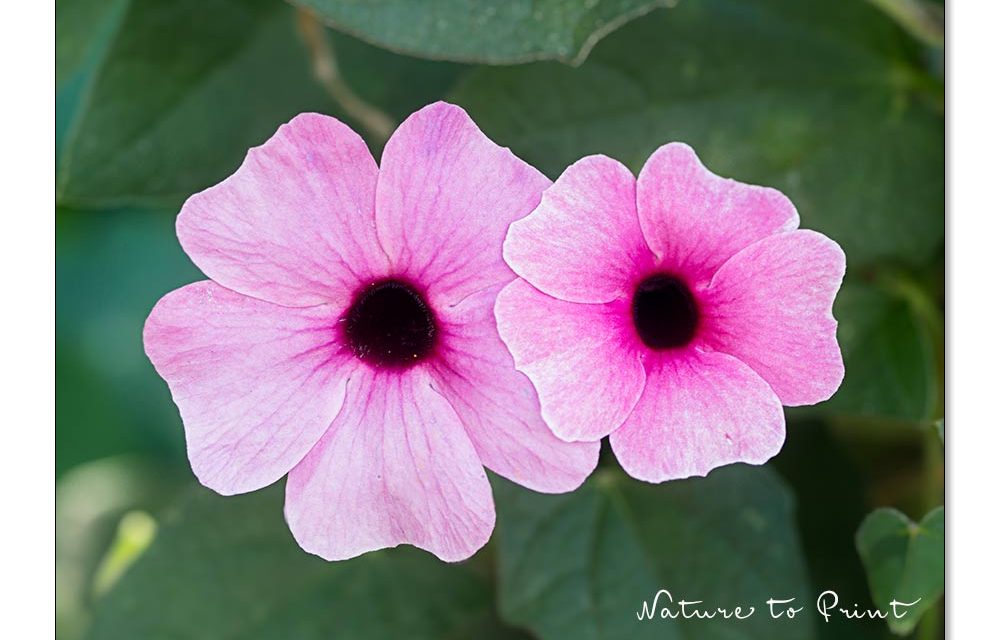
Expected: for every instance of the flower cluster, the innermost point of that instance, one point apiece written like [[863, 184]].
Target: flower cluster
[[381, 334]]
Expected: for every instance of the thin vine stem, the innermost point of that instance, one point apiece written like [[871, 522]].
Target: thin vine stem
[[324, 61]]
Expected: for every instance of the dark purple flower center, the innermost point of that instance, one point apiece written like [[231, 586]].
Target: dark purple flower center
[[664, 312], [389, 324]]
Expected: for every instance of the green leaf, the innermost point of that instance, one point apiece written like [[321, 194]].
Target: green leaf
[[889, 357], [904, 561], [184, 88], [229, 568], [483, 31], [82, 28], [112, 268], [826, 101], [581, 565]]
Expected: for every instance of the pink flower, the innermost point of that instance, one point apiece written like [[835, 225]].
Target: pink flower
[[677, 312], [347, 336]]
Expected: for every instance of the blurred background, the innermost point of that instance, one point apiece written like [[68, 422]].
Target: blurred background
[[839, 103]]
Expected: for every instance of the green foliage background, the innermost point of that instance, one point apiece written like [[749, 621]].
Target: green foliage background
[[839, 103]]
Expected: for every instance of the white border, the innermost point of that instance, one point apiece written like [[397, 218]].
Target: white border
[[973, 425], [973, 318], [27, 321]]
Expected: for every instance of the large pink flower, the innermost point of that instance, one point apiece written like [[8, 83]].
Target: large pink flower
[[347, 336], [677, 312]]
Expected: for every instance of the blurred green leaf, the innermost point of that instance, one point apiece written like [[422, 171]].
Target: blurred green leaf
[[229, 568], [924, 20], [827, 520], [581, 565], [889, 357], [483, 31], [827, 101], [904, 561], [185, 87], [82, 29], [112, 268], [90, 502]]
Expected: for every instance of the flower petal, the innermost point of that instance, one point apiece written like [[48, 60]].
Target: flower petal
[[578, 356], [445, 198], [498, 405], [770, 306], [256, 384], [699, 411], [695, 220], [583, 242], [394, 468], [295, 224]]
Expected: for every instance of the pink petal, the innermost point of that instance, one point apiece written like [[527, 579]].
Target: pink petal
[[580, 358], [699, 411], [394, 468], [695, 220], [295, 224], [770, 306], [445, 198], [256, 384], [499, 406], [583, 243]]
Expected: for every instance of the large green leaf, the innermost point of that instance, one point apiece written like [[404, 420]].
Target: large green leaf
[[487, 31], [905, 562], [184, 87], [229, 568], [581, 565], [824, 100], [889, 357], [81, 30]]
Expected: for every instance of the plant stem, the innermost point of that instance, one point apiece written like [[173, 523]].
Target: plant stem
[[324, 61]]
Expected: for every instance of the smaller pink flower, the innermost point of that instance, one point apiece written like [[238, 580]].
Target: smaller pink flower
[[347, 336], [677, 312]]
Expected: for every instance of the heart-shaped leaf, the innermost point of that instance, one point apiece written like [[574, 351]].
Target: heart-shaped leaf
[[582, 565], [229, 568], [905, 562]]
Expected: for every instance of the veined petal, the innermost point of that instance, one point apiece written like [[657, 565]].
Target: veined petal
[[256, 384], [498, 405], [694, 220], [445, 198], [699, 411], [770, 306], [583, 242], [579, 357], [295, 224], [395, 467]]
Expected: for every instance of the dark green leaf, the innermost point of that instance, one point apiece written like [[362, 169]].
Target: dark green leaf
[[889, 357], [229, 568], [185, 87], [905, 562], [485, 31], [826, 101], [82, 29], [582, 565], [113, 266]]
